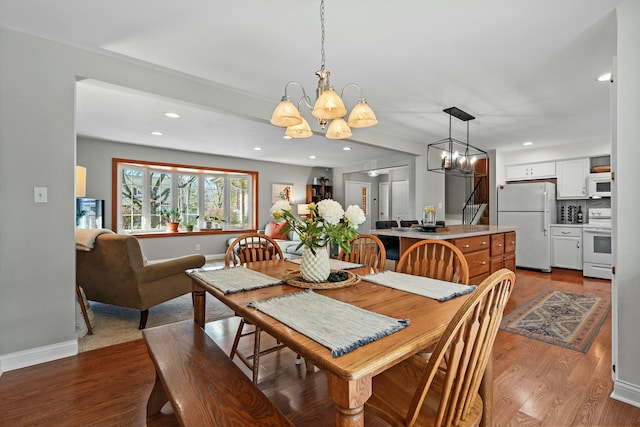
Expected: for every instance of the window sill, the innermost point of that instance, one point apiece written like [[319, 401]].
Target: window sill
[[181, 233]]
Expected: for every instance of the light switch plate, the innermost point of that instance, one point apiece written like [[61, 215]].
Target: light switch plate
[[40, 194]]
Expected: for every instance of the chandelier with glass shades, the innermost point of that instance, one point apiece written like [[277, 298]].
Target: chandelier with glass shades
[[328, 107], [451, 156]]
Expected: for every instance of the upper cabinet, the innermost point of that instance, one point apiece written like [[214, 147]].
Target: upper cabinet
[[531, 171], [572, 179]]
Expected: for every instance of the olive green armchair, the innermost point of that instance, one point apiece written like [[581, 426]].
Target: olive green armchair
[[114, 272]]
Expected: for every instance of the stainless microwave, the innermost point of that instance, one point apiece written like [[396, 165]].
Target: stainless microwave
[[599, 185]]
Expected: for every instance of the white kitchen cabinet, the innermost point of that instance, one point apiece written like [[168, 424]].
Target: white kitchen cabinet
[[531, 171], [566, 246], [572, 179]]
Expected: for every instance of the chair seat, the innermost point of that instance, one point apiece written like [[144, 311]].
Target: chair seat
[[401, 382]]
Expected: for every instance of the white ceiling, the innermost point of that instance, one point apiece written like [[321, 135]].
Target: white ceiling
[[525, 69]]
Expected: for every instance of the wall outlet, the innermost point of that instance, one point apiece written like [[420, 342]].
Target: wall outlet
[[197, 247], [40, 194]]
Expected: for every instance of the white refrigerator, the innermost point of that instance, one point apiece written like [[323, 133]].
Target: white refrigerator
[[530, 206]]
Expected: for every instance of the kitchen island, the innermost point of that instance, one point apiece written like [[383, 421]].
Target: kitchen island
[[487, 248]]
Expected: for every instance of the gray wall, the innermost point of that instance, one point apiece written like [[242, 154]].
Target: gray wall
[[96, 156], [37, 149]]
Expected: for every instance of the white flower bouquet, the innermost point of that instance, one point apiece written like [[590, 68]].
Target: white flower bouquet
[[327, 222]]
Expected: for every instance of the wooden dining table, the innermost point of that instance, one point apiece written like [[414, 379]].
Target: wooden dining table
[[349, 377]]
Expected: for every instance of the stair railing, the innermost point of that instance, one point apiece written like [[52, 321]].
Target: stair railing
[[474, 204]]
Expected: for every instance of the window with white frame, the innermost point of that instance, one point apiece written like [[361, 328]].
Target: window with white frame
[[144, 192]]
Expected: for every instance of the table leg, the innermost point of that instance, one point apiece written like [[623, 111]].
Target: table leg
[[349, 397], [486, 392], [199, 304]]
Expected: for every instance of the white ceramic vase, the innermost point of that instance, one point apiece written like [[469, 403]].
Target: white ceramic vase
[[315, 268]]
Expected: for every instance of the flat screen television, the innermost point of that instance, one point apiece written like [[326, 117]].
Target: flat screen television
[[89, 213]]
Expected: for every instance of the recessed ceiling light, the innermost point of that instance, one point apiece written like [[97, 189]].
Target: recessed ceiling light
[[312, 157], [257, 148], [346, 148], [172, 115], [527, 143], [372, 173], [605, 77], [156, 133]]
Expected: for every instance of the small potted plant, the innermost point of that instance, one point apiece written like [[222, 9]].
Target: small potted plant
[[214, 222], [172, 219], [189, 224]]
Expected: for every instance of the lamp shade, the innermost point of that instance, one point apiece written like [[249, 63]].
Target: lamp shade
[[299, 131], [329, 106], [303, 209], [81, 181], [338, 129], [362, 116], [286, 114]]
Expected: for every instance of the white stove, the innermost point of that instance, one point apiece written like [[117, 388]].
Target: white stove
[[596, 244]]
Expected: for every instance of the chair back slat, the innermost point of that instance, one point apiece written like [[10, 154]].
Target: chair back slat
[[437, 259], [366, 249], [252, 247]]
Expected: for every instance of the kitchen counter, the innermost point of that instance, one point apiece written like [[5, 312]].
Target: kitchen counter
[[567, 225], [445, 233], [487, 248]]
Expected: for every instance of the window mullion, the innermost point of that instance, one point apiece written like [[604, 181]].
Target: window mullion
[[146, 201], [201, 191]]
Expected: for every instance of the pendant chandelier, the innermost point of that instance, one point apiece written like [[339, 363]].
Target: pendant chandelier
[[328, 107], [451, 156]]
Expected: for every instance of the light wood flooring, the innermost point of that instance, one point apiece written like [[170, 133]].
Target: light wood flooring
[[536, 384]]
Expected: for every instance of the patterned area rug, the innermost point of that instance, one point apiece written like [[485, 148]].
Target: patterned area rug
[[565, 319]]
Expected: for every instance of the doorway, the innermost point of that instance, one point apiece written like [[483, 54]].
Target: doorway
[[359, 193], [383, 201]]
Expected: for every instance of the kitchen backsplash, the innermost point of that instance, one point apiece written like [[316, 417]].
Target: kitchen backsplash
[[583, 204]]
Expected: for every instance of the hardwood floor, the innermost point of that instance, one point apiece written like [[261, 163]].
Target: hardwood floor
[[536, 384]]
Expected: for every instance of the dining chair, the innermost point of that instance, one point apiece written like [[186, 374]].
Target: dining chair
[[251, 247], [366, 249], [408, 222], [443, 389], [437, 259], [391, 243]]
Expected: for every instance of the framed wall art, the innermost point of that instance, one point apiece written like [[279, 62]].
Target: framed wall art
[[282, 192]]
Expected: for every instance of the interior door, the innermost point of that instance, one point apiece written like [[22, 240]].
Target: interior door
[[383, 201], [400, 200], [359, 193]]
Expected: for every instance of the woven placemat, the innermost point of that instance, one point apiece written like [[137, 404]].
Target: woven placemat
[[295, 279]]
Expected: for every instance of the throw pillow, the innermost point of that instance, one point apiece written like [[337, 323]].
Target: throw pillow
[[274, 230]]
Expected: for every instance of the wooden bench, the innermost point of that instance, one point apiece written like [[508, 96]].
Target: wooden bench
[[204, 386]]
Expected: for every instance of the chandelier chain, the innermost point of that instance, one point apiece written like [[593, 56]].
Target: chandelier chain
[[322, 37]]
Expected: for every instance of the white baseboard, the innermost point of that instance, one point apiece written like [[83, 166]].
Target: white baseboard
[[627, 393], [34, 356]]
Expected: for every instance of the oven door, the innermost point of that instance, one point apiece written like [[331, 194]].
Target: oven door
[[597, 245]]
